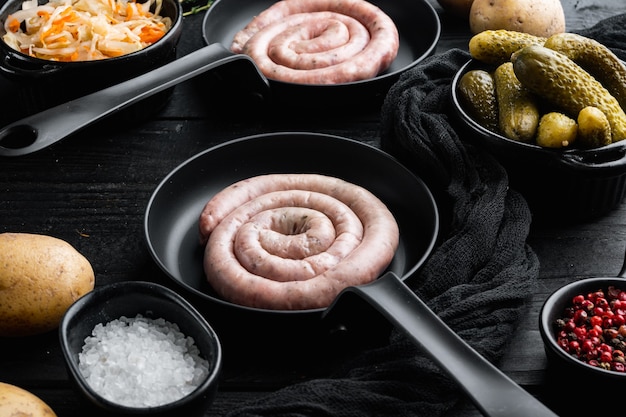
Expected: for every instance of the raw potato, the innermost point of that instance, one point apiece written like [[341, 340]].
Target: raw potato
[[536, 17], [40, 277], [18, 402]]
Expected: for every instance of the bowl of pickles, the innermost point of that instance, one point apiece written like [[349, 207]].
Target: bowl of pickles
[[550, 110]]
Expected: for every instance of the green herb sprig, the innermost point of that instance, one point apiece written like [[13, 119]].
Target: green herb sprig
[[191, 7]]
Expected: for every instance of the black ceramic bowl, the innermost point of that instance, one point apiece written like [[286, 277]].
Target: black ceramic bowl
[[565, 369], [112, 301], [570, 185], [43, 83]]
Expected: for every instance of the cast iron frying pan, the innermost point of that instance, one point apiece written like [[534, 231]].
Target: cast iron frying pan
[[172, 235]]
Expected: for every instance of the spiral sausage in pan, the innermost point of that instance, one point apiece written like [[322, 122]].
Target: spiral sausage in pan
[[320, 41], [294, 241]]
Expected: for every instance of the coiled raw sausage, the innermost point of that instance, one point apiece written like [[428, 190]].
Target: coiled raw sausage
[[320, 41], [294, 241]]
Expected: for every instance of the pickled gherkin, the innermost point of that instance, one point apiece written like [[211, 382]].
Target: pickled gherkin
[[518, 114], [596, 59], [594, 129], [556, 130], [496, 46], [477, 91], [566, 85]]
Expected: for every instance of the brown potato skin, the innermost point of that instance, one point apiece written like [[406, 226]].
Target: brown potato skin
[[40, 277], [16, 401], [536, 17]]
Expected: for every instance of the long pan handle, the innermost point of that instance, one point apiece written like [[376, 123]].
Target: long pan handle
[[43, 129], [494, 393]]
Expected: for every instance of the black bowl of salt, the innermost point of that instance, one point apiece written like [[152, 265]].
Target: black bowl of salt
[[136, 348]]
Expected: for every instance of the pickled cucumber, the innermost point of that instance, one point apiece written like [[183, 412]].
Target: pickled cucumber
[[596, 59], [556, 130], [478, 93], [518, 113], [496, 46], [594, 129], [560, 80]]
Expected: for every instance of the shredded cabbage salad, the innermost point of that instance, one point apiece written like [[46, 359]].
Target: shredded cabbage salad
[[84, 30]]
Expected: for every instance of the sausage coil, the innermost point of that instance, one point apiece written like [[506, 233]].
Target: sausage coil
[[294, 241], [320, 41]]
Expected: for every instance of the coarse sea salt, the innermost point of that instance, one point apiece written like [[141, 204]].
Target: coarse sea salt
[[141, 362]]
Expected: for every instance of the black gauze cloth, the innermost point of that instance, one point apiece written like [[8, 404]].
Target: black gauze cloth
[[477, 279]]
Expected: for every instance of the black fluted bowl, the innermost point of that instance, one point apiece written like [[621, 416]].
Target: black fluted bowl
[[561, 186], [113, 301], [43, 83], [564, 370]]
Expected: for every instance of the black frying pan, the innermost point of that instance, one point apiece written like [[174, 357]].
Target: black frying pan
[[171, 228], [171, 222], [418, 26], [416, 20]]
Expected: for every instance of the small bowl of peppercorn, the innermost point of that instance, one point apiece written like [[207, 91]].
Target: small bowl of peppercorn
[[583, 327]]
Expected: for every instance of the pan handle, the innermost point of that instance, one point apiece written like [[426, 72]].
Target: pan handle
[[43, 129], [494, 393]]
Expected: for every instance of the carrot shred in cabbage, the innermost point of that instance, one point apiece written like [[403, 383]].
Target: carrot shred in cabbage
[[84, 30]]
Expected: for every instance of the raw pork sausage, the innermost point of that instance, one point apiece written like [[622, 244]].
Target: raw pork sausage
[[289, 41], [294, 241]]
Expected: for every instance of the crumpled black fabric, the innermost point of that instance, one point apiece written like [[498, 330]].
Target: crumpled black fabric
[[477, 280], [610, 32]]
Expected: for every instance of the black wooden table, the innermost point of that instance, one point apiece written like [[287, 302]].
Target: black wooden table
[[92, 190]]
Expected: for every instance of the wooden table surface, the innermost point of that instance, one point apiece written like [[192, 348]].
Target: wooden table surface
[[92, 190]]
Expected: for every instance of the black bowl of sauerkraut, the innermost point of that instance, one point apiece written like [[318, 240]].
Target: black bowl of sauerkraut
[[55, 51]]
